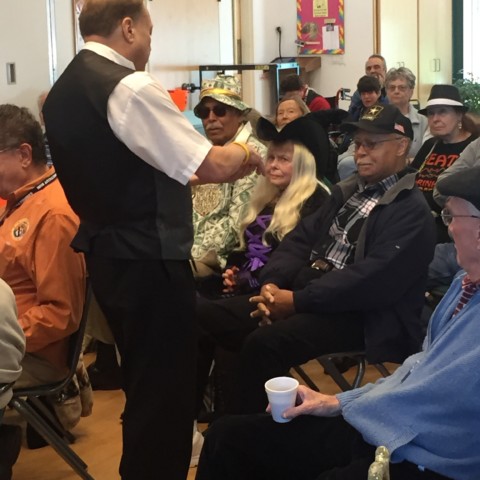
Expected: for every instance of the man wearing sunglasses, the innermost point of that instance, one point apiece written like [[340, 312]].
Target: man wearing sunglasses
[[217, 208], [352, 275]]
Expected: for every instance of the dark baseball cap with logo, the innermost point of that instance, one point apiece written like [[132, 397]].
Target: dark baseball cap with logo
[[382, 119]]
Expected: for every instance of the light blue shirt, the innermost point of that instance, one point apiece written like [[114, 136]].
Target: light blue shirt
[[428, 411]]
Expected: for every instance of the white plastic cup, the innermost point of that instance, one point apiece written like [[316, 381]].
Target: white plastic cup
[[281, 392]]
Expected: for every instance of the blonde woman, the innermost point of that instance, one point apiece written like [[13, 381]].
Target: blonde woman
[[288, 191]]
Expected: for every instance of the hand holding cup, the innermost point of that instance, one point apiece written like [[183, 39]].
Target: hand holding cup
[[282, 393]]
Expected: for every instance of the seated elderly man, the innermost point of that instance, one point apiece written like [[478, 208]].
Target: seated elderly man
[[444, 265], [217, 208], [427, 413], [36, 260], [350, 276]]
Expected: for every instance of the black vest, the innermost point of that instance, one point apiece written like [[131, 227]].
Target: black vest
[[127, 208]]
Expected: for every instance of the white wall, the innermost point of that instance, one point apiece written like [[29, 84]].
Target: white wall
[[336, 70], [186, 34], [23, 40], [471, 18], [64, 33]]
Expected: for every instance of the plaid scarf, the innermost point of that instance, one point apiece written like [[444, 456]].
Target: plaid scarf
[[469, 289]]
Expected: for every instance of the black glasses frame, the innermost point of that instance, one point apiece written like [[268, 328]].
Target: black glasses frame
[[447, 217], [203, 112]]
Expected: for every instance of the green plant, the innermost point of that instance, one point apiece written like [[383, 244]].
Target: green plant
[[469, 88]]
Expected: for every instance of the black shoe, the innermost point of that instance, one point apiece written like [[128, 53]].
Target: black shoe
[[104, 379], [10, 443], [33, 438], [105, 373]]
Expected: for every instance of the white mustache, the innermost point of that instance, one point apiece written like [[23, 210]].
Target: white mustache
[[214, 125]]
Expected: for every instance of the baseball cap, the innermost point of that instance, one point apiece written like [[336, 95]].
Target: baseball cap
[[382, 119]]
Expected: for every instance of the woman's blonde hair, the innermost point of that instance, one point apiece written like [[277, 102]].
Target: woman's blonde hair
[[286, 214]]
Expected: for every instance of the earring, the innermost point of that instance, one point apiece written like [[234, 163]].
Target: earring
[[459, 125]]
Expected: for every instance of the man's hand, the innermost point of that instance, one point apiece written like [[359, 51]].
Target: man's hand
[[230, 279], [254, 163], [273, 303], [227, 164], [313, 403]]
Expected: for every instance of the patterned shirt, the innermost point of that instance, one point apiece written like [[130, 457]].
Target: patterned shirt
[[218, 208], [349, 220]]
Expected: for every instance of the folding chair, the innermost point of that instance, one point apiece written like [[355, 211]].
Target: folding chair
[[329, 364], [26, 402], [379, 469]]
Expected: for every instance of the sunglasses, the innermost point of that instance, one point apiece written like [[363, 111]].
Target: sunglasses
[[203, 112]]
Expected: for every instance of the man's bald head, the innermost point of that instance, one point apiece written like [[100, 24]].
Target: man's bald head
[[102, 17], [122, 25]]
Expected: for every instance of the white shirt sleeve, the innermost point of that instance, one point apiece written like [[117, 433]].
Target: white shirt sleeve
[[143, 116]]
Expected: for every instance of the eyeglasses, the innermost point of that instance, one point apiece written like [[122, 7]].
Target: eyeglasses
[[400, 88], [203, 112], [447, 217], [370, 145]]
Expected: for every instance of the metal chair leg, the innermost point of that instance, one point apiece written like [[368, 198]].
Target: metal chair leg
[[59, 445], [42, 409], [332, 370], [303, 375]]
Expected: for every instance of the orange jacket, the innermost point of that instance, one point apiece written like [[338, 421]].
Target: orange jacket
[[45, 274]]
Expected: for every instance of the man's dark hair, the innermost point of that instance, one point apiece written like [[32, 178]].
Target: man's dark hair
[[368, 84], [101, 17], [17, 126], [291, 83]]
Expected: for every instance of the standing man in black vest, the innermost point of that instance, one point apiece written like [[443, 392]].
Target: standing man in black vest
[[125, 156]]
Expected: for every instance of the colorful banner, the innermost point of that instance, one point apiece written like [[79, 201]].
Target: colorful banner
[[320, 27]]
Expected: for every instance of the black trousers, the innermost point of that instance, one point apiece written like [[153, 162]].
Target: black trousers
[[223, 325], [272, 350], [254, 447], [150, 308], [269, 351]]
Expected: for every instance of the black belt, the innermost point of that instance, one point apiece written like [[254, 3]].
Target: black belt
[[322, 265]]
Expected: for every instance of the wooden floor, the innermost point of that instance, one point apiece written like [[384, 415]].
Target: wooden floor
[[99, 437]]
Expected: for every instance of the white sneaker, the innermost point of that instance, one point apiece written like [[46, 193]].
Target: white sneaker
[[197, 444]]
